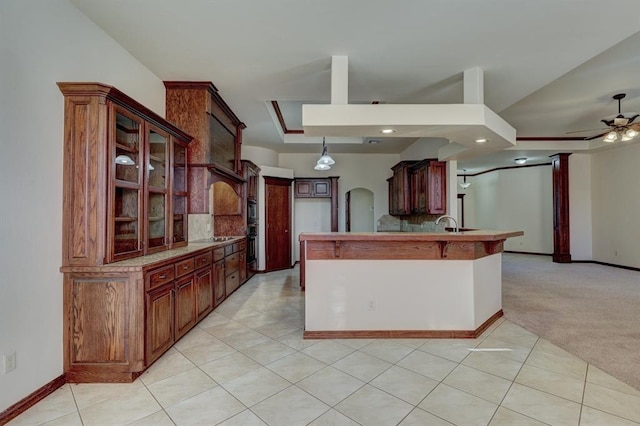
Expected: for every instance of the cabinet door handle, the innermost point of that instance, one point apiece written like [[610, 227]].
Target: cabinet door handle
[[162, 277], [185, 266]]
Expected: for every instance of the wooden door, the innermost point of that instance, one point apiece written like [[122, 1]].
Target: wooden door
[[278, 223], [185, 306], [218, 282], [160, 326], [204, 296]]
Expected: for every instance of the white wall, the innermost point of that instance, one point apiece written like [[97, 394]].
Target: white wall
[[580, 207], [311, 215], [362, 219], [369, 171], [514, 199], [616, 203], [42, 42], [259, 155]]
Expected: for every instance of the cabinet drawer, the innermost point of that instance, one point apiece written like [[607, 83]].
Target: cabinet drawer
[[160, 276], [184, 267], [239, 246], [231, 263], [203, 260], [218, 254], [232, 282], [228, 249]]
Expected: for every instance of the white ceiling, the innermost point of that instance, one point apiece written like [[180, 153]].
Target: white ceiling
[[550, 66]]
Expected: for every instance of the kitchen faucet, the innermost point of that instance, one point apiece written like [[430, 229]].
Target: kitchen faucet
[[451, 218]]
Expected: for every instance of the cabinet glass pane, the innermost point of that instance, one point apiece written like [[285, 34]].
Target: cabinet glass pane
[[126, 218], [179, 218], [179, 168], [156, 225], [156, 163], [127, 156]]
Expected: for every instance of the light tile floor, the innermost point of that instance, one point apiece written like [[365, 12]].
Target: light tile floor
[[247, 364]]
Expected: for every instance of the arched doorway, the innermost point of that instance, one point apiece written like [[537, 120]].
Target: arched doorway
[[359, 210]]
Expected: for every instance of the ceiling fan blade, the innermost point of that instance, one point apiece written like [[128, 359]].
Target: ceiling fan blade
[[596, 136], [586, 130]]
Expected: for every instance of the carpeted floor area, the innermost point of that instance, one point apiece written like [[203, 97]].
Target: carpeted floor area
[[590, 310]]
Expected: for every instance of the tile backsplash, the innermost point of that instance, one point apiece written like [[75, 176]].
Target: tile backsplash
[[200, 226]]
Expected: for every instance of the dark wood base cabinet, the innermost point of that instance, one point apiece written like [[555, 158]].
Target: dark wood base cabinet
[[119, 318]]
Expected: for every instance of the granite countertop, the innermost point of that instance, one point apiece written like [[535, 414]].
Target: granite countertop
[[143, 261], [475, 235]]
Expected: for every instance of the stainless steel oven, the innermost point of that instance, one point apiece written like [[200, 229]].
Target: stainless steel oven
[[252, 212]]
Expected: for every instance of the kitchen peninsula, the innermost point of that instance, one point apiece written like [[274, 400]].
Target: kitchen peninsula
[[386, 285]]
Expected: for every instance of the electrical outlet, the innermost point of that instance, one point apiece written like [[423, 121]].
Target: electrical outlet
[[8, 362], [372, 305]]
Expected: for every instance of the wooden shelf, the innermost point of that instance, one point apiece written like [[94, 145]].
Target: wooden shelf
[[124, 147], [126, 129], [125, 219], [155, 218]]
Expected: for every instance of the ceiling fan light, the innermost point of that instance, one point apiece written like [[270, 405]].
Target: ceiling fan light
[[611, 137], [630, 133], [465, 185]]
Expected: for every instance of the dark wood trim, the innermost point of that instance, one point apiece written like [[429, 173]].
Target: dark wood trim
[[528, 252], [334, 203], [559, 138], [551, 138], [503, 168], [461, 198], [561, 221], [404, 334], [32, 399], [283, 125], [303, 246], [613, 265]]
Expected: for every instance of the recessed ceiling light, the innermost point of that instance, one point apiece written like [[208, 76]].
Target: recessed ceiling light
[[387, 131], [481, 140], [521, 160]]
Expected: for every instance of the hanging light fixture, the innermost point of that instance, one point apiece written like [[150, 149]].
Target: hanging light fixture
[[465, 184], [325, 161]]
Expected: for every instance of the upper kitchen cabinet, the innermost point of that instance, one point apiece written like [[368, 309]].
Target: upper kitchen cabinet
[[214, 155], [124, 177], [400, 189], [428, 187], [418, 187]]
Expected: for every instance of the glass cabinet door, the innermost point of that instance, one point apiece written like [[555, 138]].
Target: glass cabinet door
[[156, 173], [125, 229], [179, 205]]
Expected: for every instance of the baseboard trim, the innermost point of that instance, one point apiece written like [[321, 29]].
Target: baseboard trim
[[32, 399], [403, 334], [528, 252], [613, 265]]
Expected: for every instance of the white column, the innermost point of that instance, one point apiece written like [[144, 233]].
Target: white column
[[473, 84], [339, 80]]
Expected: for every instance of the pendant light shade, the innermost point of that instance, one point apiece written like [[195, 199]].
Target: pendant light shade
[[465, 184], [325, 161]]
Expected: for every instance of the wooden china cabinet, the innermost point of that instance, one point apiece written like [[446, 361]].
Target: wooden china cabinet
[[125, 219]]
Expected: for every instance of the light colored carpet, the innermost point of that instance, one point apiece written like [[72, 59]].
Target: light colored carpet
[[590, 310]]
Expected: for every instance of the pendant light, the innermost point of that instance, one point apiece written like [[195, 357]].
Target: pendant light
[[325, 161], [465, 184]]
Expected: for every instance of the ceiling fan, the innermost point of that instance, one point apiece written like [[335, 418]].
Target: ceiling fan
[[620, 126]]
